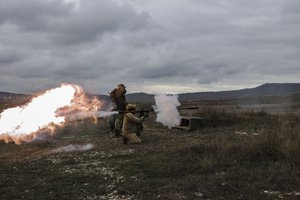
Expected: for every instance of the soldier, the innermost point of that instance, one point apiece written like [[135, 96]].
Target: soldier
[[132, 125], [118, 97]]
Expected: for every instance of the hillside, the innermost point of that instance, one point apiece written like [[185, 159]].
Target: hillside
[[12, 99], [279, 92], [268, 89], [266, 92]]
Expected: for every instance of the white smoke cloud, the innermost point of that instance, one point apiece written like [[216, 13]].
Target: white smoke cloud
[[106, 113], [73, 148], [81, 115], [166, 109]]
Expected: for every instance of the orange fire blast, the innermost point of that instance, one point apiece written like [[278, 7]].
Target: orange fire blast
[[46, 112]]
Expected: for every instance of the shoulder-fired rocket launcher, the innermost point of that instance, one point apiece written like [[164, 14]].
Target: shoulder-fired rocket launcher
[[136, 111], [143, 112]]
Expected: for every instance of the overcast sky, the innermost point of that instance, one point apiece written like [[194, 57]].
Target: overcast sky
[[152, 46]]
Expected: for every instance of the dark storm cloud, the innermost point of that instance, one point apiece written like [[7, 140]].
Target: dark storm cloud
[[7, 58], [67, 25], [163, 46], [31, 14], [179, 67], [94, 18]]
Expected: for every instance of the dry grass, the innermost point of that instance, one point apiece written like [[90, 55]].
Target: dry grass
[[258, 154], [255, 157]]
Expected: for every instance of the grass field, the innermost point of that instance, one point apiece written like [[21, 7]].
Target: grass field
[[257, 156]]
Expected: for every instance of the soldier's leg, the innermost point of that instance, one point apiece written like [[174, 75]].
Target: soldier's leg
[[117, 131], [139, 130], [118, 125], [134, 139], [112, 121]]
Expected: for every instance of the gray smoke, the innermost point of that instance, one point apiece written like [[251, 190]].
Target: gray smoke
[[106, 113], [81, 115], [73, 148], [166, 109]]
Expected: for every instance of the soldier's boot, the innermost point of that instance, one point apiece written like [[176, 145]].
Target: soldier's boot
[[117, 132], [125, 140]]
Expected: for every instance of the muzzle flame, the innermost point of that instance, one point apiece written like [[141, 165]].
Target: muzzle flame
[[44, 113]]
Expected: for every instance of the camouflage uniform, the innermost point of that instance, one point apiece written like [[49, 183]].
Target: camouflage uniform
[[118, 97], [131, 126]]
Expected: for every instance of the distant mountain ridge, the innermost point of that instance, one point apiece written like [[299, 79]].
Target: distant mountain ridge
[[268, 89]]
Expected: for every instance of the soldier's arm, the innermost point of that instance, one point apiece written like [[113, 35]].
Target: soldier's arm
[[134, 118]]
